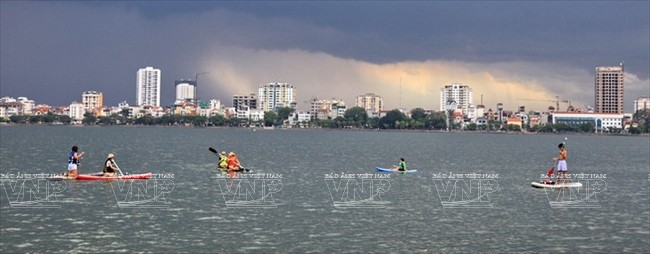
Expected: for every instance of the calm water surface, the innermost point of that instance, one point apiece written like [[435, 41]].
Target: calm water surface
[[301, 216]]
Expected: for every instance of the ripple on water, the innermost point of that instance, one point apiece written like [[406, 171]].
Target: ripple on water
[[24, 245], [210, 218]]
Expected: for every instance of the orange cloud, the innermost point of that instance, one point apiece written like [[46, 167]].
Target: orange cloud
[[411, 84]]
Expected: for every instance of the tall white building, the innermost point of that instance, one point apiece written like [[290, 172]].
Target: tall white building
[[641, 103], [276, 95], [370, 102], [186, 90], [458, 92], [76, 111], [609, 89], [148, 87]]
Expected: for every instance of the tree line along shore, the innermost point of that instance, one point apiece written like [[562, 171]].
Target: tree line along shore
[[354, 118]]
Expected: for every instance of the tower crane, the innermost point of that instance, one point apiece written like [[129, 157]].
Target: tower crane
[[556, 101]]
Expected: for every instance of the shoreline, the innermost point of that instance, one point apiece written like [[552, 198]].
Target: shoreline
[[333, 129]]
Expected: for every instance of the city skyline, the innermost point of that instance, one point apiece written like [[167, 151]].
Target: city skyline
[[406, 56]]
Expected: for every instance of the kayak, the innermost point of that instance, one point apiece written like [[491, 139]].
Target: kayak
[[65, 177], [91, 177], [390, 170], [556, 186], [60, 178], [117, 177]]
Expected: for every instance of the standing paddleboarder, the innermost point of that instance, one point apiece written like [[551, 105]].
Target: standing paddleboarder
[[561, 164]]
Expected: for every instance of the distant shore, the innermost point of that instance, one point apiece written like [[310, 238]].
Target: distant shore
[[335, 129]]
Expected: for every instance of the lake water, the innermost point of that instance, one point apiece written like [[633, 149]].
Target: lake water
[[297, 200]]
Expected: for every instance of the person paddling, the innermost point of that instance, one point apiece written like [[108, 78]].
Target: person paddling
[[223, 162], [110, 167], [561, 164], [402, 165], [73, 161], [233, 162]]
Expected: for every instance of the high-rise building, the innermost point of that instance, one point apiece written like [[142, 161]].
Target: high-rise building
[[641, 103], [459, 93], [609, 89], [370, 102], [276, 95], [93, 101], [148, 87], [185, 90], [239, 101]]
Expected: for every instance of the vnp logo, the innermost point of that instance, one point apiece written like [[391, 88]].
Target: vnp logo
[[250, 190], [31, 191], [142, 193], [465, 190], [358, 190], [583, 196]]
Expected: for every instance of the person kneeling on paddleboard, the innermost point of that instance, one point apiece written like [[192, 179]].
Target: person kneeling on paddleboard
[[223, 162], [561, 165], [73, 161], [110, 166], [402, 165], [233, 162]]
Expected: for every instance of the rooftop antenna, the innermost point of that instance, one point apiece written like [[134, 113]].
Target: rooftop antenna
[[622, 68], [400, 91], [481, 99]]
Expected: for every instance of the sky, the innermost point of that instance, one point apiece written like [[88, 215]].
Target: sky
[[516, 53]]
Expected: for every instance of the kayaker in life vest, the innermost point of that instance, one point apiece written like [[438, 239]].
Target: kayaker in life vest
[[402, 165], [223, 162], [73, 161], [233, 162], [110, 167]]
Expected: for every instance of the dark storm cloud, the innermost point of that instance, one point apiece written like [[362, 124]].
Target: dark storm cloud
[[51, 52], [586, 34]]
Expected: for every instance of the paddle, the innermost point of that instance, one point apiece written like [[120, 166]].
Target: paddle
[[118, 168], [549, 174], [244, 169], [395, 166], [550, 171], [557, 177]]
